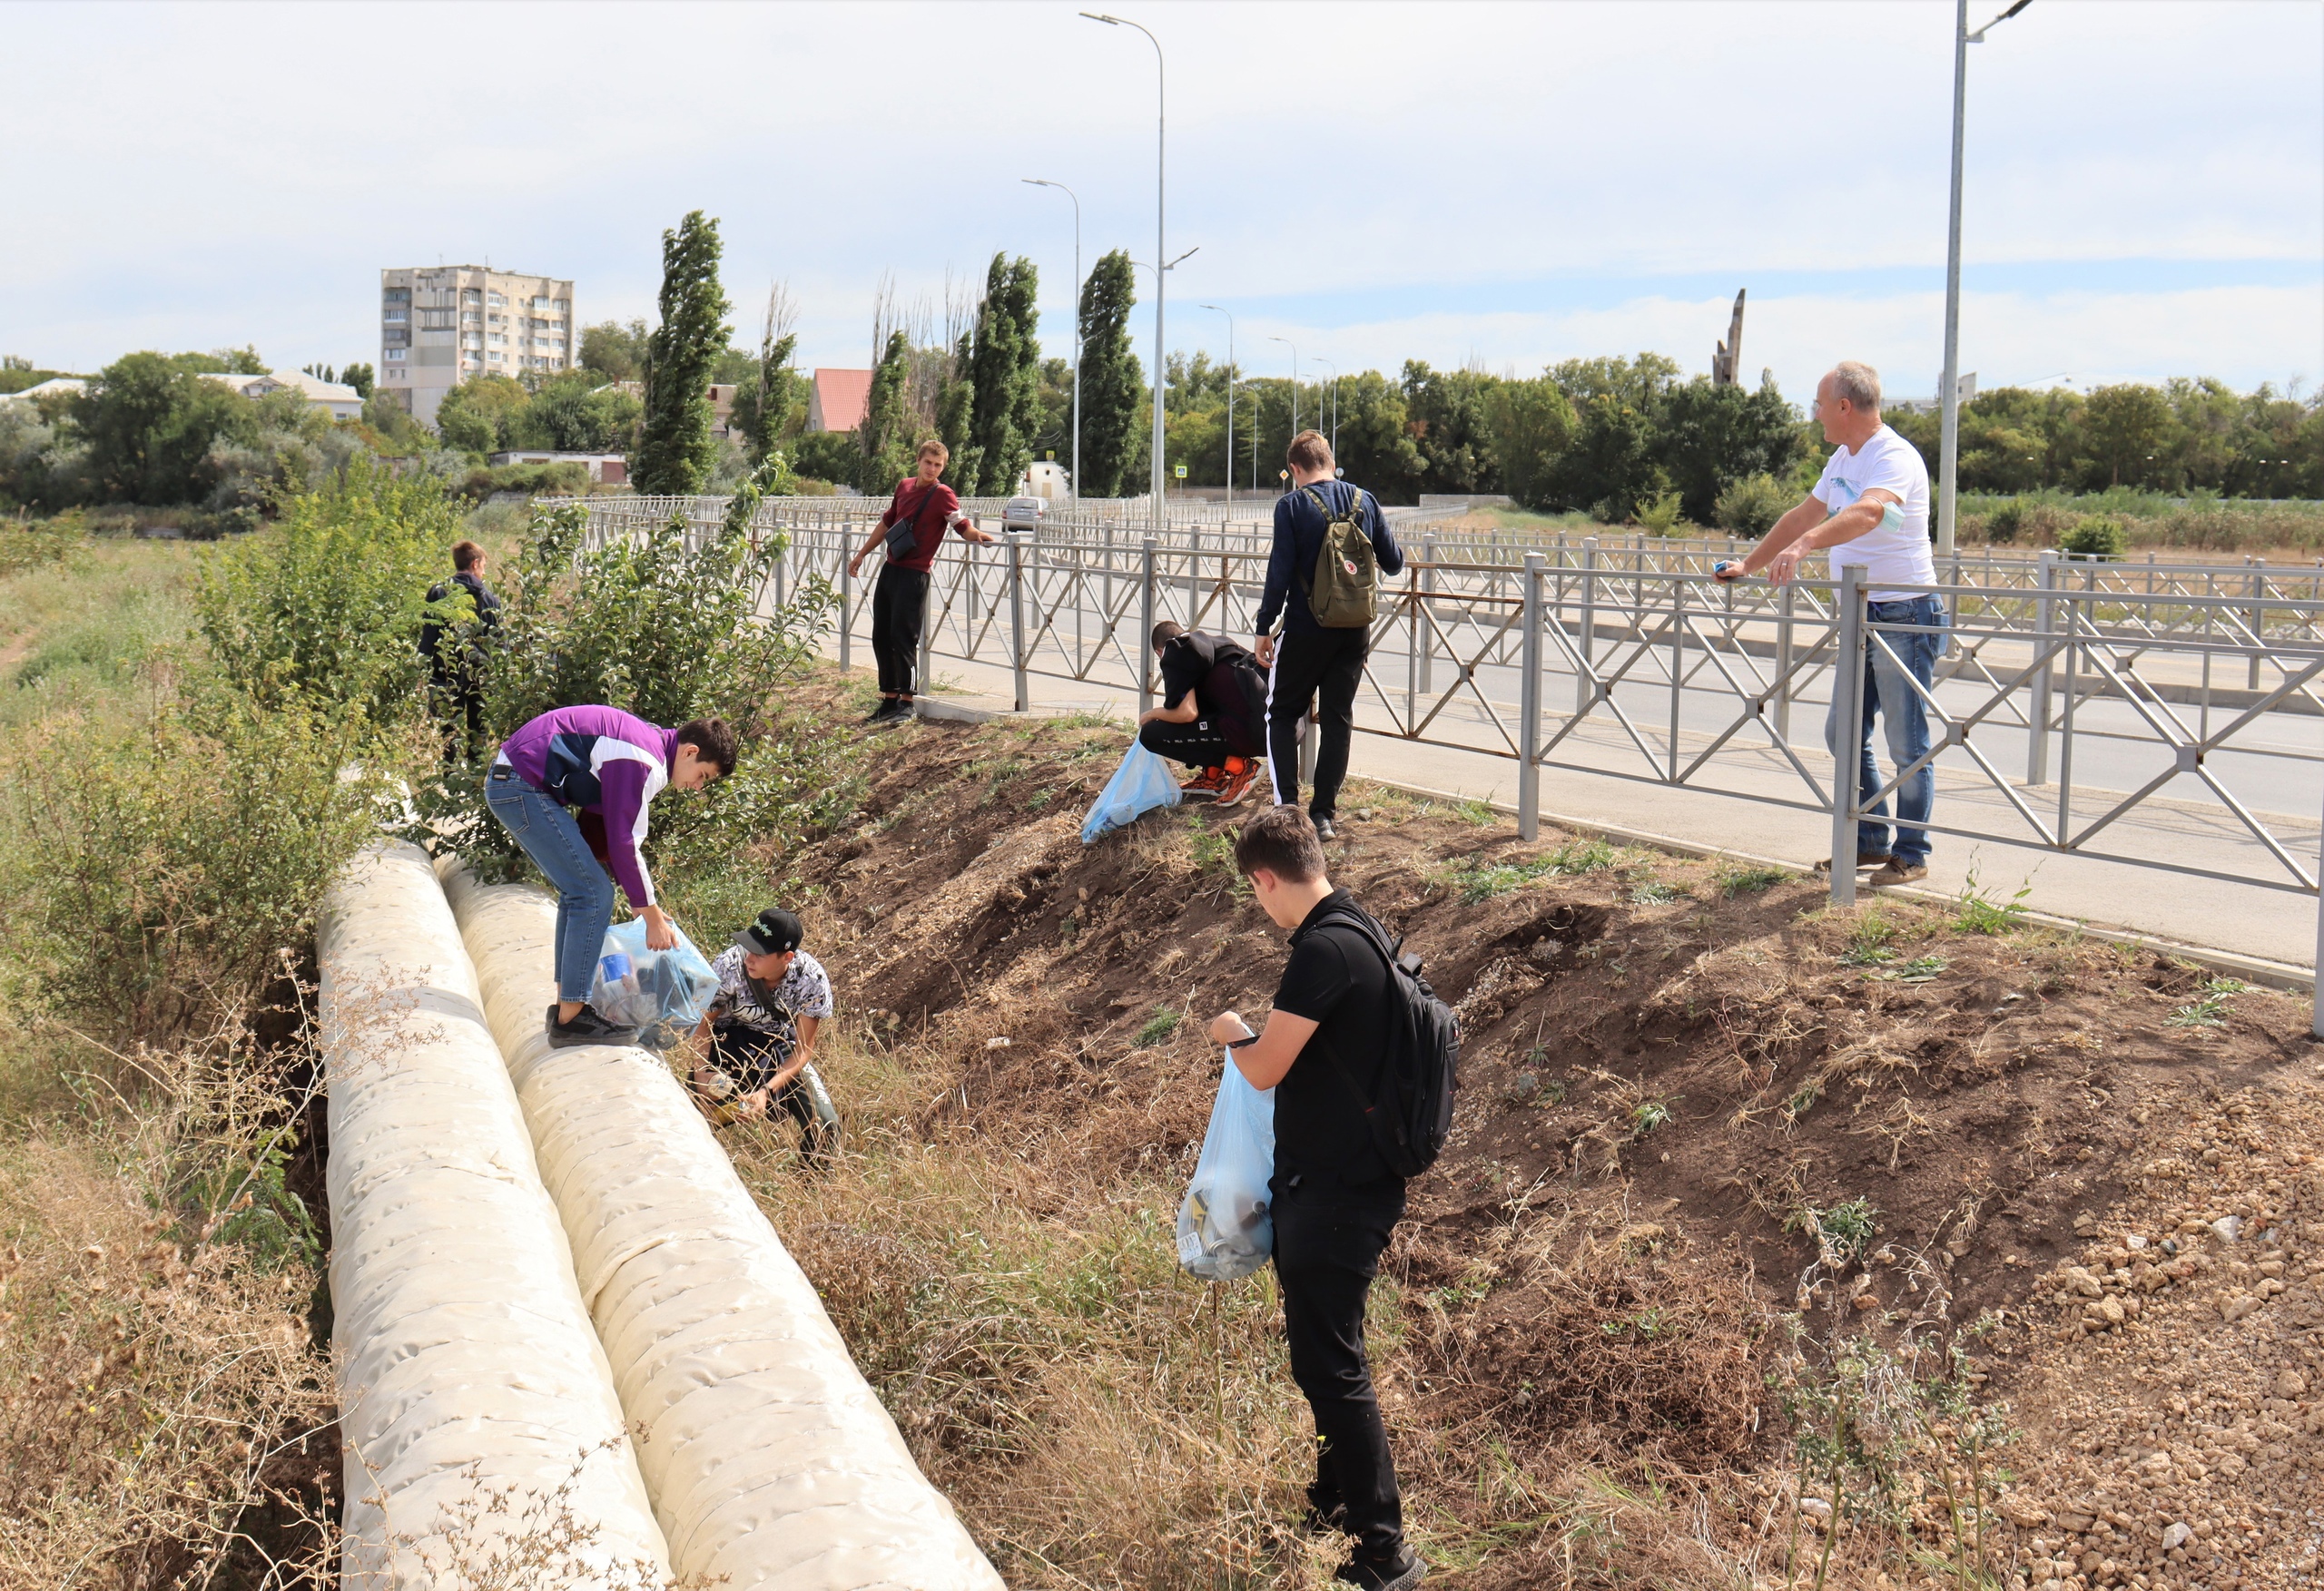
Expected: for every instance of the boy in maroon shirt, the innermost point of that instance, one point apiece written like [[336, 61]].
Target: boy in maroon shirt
[[923, 508]]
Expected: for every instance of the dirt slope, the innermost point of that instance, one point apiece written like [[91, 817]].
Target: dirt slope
[[1676, 1078]]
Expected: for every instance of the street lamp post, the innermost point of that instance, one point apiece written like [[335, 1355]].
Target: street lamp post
[[1069, 193], [1949, 395], [1335, 403], [1161, 253], [1294, 378], [1230, 406]]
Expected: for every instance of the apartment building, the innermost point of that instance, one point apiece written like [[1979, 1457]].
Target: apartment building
[[444, 325]]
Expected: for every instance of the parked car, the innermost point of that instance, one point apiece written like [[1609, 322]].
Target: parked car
[[1023, 513]]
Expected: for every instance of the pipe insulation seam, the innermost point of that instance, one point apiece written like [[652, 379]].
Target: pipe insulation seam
[[466, 1363], [770, 1460]]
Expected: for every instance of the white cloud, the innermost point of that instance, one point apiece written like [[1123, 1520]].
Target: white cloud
[[191, 176]]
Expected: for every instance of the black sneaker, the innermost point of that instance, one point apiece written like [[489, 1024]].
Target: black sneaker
[[1326, 829], [882, 713], [587, 1028], [1400, 1573]]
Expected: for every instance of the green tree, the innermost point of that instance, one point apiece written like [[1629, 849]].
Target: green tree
[[1533, 424], [676, 451], [1610, 467], [572, 413], [2129, 435], [362, 378], [1713, 435], [1113, 397], [615, 351], [771, 401], [150, 424], [481, 414], [886, 437], [1004, 377], [956, 405], [1447, 410], [1376, 445]]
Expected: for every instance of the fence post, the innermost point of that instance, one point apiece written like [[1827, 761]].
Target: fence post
[[1584, 693], [2258, 618], [1424, 632], [846, 604], [1528, 707], [1847, 729], [1193, 576], [1144, 648], [2037, 749], [1783, 661], [1017, 616]]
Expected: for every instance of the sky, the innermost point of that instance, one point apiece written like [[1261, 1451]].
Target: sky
[[1502, 184]]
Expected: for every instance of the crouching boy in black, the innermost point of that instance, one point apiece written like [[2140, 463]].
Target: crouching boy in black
[[1214, 712], [1336, 1202], [772, 997]]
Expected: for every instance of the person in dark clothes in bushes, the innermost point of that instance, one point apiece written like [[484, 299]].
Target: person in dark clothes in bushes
[[1213, 716], [913, 527], [1335, 1200], [458, 650]]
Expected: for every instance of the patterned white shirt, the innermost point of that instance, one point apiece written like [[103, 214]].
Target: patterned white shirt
[[805, 991]]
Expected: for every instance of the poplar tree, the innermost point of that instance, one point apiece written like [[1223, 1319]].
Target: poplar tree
[[676, 451], [955, 408], [1113, 385], [886, 433], [1005, 375]]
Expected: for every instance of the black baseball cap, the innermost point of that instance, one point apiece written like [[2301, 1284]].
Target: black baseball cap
[[775, 931]]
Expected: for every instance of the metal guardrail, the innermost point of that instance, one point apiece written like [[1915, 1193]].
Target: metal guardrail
[[2073, 696]]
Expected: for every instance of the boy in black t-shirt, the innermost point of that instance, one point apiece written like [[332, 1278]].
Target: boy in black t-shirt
[[1334, 1201], [1212, 716]]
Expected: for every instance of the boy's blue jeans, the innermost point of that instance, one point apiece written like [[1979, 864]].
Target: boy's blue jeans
[[1890, 699], [584, 895]]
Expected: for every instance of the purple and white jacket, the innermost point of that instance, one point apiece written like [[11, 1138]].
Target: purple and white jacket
[[606, 763]]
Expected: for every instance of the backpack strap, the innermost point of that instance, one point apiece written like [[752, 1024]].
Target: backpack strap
[[1375, 934]]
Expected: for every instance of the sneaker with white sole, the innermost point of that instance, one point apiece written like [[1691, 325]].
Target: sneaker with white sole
[[1898, 871]]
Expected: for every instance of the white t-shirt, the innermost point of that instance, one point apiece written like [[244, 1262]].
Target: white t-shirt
[[1896, 550]]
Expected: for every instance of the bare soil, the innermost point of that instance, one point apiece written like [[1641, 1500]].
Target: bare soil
[[1675, 1075]]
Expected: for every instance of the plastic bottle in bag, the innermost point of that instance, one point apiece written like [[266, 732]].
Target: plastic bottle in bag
[[1225, 1228]]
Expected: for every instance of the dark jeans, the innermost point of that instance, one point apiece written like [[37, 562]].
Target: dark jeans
[[899, 605], [1328, 1239], [1323, 666], [584, 895], [1198, 744], [1890, 699], [456, 704], [751, 1057]]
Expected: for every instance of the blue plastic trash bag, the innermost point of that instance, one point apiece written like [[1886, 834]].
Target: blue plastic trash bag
[[661, 992], [1143, 782], [1225, 1228]]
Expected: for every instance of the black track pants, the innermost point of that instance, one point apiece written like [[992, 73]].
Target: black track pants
[[1328, 1240], [1197, 744], [899, 605], [1322, 666]]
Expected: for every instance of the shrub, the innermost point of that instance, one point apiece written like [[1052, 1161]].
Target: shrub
[[1750, 506], [26, 543], [328, 605], [1660, 513], [2096, 535]]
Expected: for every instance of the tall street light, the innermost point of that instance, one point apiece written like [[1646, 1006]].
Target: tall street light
[[1160, 252], [1949, 444], [1294, 378], [1069, 193], [1335, 403], [1230, 405]]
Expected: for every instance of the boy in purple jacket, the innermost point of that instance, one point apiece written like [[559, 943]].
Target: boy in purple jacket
[[610, 766]]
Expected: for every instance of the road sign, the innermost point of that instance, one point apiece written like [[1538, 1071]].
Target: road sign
[[1182, 472]]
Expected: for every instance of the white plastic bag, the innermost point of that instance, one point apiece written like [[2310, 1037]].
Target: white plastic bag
[[1143, 782], [1224, 1228], [661, 992]]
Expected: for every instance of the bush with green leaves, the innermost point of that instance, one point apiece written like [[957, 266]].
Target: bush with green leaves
[[326, 608], [2096, 535], [1750, 506]]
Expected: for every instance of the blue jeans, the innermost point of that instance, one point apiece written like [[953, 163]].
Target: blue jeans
[[584, 895], [1888, 697]]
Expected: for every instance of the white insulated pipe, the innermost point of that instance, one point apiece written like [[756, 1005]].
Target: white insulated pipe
[[467, 1365], [770, 1460]]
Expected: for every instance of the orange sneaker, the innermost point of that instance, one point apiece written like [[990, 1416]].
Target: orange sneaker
[[1204, 786], [1240, 774]]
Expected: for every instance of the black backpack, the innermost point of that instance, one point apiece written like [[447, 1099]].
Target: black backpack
[[1413, 1114], [1232, 683]]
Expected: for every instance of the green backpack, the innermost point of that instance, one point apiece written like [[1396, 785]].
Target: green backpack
[[1345, 593]]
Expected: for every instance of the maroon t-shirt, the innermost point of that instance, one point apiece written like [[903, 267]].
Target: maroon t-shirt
[[929, 510]]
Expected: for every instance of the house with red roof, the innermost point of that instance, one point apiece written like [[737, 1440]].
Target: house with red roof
[[838, 399]]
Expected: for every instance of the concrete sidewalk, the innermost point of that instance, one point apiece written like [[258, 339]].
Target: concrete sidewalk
[[2273, 929]]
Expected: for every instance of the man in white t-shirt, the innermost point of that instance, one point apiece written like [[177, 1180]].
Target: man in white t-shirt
[[1871, 508]]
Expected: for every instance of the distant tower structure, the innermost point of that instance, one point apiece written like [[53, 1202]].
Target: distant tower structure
[[1728, 357]]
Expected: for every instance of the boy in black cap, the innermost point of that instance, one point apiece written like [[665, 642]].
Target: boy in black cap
[[772, 997]]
